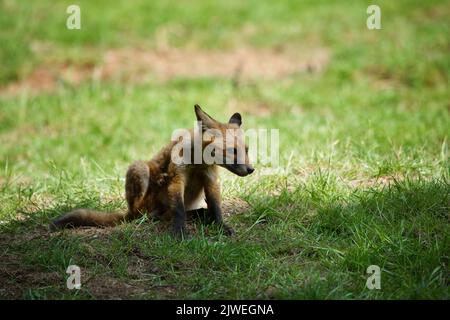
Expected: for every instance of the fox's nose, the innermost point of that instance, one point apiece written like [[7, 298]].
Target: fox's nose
[[250, 170]]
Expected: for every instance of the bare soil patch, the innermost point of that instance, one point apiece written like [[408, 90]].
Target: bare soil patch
[[111, 288], [15, 277], [234, 206], [137, 65], [381, 181]]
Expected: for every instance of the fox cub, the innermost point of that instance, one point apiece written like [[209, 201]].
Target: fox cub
[[161, 186]]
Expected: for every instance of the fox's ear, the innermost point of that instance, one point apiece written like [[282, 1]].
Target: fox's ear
[[236, 118], [207, 121]]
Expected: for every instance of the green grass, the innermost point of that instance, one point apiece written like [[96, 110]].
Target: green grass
[[377, 113]]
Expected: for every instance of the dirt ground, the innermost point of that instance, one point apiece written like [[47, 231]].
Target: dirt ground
[[134, 65], [16, 276]]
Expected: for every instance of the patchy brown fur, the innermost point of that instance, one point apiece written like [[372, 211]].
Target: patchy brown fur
[[160, 186]]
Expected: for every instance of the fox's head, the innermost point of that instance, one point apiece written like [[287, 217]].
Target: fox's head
[[226, 142]]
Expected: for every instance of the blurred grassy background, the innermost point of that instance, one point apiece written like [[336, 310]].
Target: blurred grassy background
[[363, 139]]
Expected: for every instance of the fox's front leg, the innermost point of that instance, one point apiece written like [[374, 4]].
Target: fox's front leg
[[176, 196], [213, 200]]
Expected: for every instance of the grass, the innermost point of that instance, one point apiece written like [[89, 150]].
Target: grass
[[363, 148]]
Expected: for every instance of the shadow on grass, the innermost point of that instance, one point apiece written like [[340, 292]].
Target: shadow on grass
[[403, 228]]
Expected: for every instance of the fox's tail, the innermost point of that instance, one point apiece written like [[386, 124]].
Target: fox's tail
[[86, 217]]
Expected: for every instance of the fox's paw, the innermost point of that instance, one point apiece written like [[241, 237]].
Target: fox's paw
[[179, 232], [53, 226], [229, 231]]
